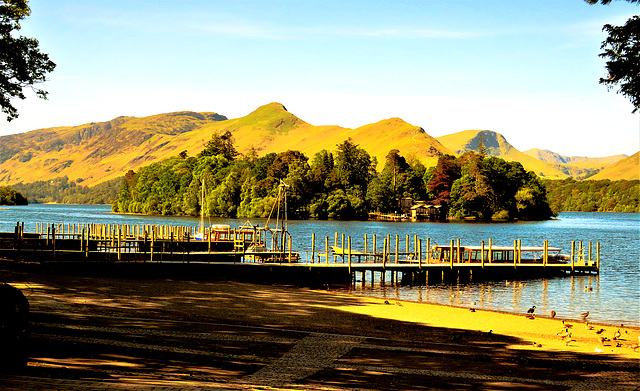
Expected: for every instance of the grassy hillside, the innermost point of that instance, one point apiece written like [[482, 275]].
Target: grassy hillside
[[97, 152], [628, 169], [496, 145]]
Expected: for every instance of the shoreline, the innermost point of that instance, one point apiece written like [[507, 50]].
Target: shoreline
[[104, 333], [541, 330], [300, 308]]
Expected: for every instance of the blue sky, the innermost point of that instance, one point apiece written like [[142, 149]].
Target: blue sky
[[526, 69]]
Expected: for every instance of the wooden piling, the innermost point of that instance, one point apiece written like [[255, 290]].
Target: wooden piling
[[326, 246], [313, 247], [573, 250], [349, 254], [451, 255], [397, 244]]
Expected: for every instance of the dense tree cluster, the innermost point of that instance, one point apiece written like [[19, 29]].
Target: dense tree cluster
[[594, 196], [9, 196], [63, 191], [475, 186], [341, 184]]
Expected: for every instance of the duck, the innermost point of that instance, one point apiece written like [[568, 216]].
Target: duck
[[617, 335], [567, 339], [584, 315], [531, 310], [553, 314]]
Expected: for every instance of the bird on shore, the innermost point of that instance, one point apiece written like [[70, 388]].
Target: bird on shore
[[564, 333], [387, 302], [567, 339], [531, 310], [587, 326], [599, 331], [617, 335], [584, 315], [553, 314], [588, 288]]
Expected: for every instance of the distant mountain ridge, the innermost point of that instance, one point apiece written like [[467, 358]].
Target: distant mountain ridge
[[96, 152], [553, 157]]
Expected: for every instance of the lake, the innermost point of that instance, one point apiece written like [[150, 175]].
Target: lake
[[615, 298]]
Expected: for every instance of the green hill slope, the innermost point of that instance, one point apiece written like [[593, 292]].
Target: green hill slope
[[628, 169]]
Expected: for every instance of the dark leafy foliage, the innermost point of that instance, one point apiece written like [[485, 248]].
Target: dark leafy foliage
[[594, 196], [487, 188], [22, 64], [63, 191], [622, 51], [9, 196], [337, 185]]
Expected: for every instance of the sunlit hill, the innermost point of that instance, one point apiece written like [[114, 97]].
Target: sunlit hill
[[93, 153]]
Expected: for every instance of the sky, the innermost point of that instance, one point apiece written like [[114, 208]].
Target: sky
[[528, 70]]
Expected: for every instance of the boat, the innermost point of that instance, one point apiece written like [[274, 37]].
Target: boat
[[498, 254]]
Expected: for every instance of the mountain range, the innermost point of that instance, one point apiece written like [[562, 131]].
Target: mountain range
[[93, 153]]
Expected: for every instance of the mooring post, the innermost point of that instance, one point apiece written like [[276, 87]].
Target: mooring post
[[589, 252], [451, 255], [290, 249], [82, 241], [373, 248], [408, 248], [573, 263], [573, 250], [397, 244], [119, 242], [482, 253], [458, 255], [428, 249], [53, 239], [598, 256], [86, 244], [366, 247], [153, 236], [420, 254], [546, 252], [349, 254], [490, 250], [515, 253], [384, 253], [313, 247], [326, 247]]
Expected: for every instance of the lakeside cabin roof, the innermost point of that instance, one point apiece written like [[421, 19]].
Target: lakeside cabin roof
[[499, 248]]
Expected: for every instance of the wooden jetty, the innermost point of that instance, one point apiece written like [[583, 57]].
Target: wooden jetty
[[246, 254]]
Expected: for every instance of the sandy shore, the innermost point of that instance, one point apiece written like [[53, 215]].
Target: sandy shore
[[116, 328], [534, 333]]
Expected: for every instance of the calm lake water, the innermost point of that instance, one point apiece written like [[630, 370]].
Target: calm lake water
[[615, 298]]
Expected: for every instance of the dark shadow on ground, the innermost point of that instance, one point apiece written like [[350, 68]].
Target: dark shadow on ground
[[125, 328]]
